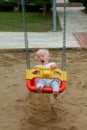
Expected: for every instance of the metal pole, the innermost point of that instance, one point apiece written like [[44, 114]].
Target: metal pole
[[54, 16]]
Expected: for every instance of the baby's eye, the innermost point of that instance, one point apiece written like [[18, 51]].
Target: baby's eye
[[42, 55], [38, 56]]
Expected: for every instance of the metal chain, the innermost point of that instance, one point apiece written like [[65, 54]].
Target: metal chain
[[25, 34], [64, 40]]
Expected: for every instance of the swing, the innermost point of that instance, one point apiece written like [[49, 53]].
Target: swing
[[45, 73], [42, 71]]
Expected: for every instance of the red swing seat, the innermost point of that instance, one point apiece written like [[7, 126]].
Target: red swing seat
[[30, 83]]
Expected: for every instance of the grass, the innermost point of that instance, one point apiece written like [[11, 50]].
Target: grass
[[12, 22], [85, 11]]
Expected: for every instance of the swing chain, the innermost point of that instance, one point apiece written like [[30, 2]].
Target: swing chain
[[64, 40], [25, 34]]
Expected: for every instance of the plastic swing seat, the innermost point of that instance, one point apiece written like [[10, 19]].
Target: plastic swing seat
[[31, 86], [45, 73]]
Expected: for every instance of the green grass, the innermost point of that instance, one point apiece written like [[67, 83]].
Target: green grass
[[85, 11], [12, 21]]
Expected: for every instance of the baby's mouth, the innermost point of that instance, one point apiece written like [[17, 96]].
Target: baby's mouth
[[42, 61]]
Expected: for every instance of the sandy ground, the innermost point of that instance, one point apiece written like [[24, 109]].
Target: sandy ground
[[24, 110]]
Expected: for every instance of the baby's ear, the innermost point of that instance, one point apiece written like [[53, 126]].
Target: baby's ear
[[49, 56]]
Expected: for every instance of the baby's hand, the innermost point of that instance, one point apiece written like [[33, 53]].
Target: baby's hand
[[36, 71], [36, 67], [53, 66]]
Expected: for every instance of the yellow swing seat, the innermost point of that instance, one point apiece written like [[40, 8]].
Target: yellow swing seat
[[43, 72]]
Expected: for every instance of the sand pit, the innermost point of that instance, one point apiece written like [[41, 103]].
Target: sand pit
[[24, 110]]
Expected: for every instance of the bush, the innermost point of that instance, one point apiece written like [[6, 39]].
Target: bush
[[84, 2], [7, 5], [77, 1], [36, 5], [30, 5]]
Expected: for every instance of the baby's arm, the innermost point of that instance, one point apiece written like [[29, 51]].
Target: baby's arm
[[36, 67]]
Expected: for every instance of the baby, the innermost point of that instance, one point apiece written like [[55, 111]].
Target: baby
[[43, 57]]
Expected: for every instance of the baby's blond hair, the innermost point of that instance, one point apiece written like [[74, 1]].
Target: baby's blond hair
[[42, 51]]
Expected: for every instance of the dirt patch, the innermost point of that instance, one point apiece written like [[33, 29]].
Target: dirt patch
[[21, 109]]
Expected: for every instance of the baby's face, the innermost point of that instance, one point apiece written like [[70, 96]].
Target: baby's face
[[43, 58]]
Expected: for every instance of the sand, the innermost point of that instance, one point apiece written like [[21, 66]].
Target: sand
[[21, 109]]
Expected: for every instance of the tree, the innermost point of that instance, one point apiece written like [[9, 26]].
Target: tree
[[18, 3], [46, 5]]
